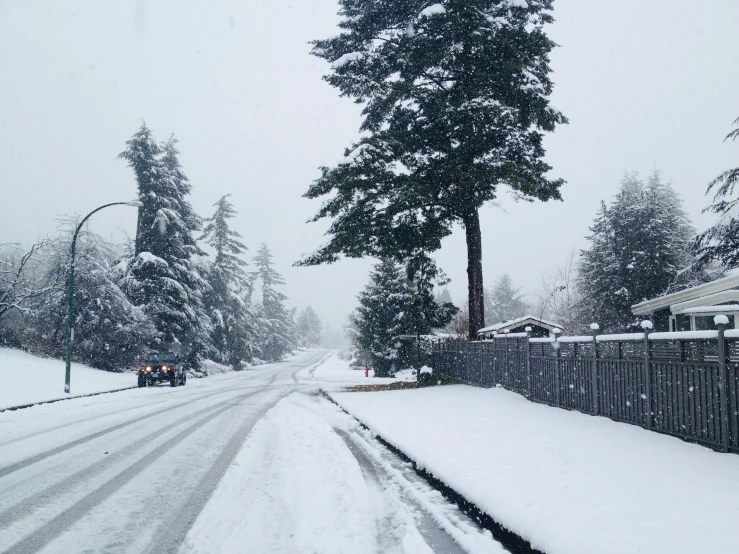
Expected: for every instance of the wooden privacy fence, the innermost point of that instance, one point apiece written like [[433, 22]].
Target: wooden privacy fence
[[681, 384]]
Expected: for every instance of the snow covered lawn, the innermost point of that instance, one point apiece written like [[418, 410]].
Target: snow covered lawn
[[568, 482], [25, 379], [335, 374]]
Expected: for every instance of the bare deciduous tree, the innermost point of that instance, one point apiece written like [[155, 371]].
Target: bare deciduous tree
[[20, 283], [558, 298]]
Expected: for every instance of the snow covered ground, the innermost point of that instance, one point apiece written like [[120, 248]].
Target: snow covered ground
[[335, 374], [252, 461], [568, 482], [27, 379], [297, 487]]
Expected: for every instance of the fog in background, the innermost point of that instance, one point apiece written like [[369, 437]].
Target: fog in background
[[644, 84]]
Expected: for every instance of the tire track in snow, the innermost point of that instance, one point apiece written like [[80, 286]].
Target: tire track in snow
[[171, 534], [15, 466], [28, 505], [52, 529]]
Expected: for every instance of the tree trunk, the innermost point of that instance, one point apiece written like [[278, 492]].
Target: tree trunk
[[474, 272]]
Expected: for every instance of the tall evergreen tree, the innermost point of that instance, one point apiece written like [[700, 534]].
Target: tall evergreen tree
[[425, 313], [503, 301], [380, 317], [309, 327], [233, 334], [162, 276], [277, 333], [639, 250], [720, 243], [456, 103], [444, 296]]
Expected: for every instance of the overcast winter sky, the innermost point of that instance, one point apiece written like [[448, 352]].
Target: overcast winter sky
[[644, 83]]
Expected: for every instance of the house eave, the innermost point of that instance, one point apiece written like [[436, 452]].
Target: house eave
[[648, 307]]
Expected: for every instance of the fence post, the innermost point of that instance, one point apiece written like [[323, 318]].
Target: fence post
[[483, 350], [507, 356], [647, 326], [722, 322], [594, 327], [555, 345], [528, 360]]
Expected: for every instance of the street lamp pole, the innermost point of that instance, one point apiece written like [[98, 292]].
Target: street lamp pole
[[70, 291]]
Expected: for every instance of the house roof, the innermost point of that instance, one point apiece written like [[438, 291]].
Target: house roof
[[722, 309], [518, 322], [648, 307]]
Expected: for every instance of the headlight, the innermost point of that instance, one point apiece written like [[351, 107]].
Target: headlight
[[148, 368], [164, 368]]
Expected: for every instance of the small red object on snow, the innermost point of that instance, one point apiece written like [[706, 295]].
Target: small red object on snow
[[366, 372]]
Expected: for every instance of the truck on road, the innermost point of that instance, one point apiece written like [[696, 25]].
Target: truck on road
[[161, 367]]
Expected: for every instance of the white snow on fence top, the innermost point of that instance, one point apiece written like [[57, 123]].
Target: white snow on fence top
[[544, 339], [581, 338], [518, 322], [621, 336], [712, 309], [684, 335], [436, 9]]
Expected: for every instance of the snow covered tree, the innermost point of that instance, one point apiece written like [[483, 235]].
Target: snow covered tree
[[309, 327], [425, 313], [503, 301], [720, 243], [162, 276], [380, 317], [233, 334], [21, 284], [639, 247], [109, 331], [456, 104], [276, 321]]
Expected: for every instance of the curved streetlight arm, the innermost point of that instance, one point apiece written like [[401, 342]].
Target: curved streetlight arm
[[70, 293]]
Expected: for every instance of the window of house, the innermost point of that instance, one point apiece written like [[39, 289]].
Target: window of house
[[681, 323], [705, 322]]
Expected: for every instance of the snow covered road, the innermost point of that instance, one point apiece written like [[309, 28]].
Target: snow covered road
[[127, 472], [136, 471]]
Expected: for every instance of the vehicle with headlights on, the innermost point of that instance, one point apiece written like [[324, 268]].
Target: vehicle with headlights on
[[162, 367]]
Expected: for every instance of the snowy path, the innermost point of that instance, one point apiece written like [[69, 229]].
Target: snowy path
[[136, 471]]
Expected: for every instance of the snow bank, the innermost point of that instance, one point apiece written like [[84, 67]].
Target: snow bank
[[568, 482], [26, 379]]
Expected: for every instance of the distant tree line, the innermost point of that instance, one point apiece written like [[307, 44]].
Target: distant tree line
[[160, 291]]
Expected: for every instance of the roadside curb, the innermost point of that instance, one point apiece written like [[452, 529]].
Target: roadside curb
[[510, 540], [23, 406]]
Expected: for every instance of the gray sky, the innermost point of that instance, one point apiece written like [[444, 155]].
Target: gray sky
[[644, 84]]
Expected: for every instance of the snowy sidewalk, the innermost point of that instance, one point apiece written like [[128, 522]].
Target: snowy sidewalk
[[27, 379], [567, 482]]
